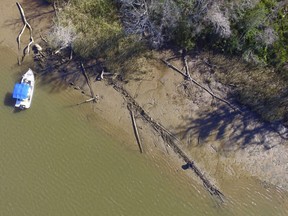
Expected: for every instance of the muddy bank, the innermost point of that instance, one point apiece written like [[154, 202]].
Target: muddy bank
[[222, 140], [224, 143], [39, 14]]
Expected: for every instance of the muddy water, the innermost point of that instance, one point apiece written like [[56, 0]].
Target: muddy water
[[53, 162], [56, 160]]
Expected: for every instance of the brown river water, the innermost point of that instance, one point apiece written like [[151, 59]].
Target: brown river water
[[56, 160]]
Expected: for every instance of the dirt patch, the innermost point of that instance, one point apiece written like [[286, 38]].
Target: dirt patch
[[224, 143], [210, 130], [38, 13]]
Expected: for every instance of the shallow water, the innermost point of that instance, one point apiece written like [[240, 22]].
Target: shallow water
[[53, 162], [56, 160]]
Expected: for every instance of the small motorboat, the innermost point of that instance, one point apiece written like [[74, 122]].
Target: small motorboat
[[23, 91]]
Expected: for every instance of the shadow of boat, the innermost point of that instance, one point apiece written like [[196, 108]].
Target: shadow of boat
[[8, 100]]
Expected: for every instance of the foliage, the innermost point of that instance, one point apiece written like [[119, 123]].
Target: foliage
[[150, 21], [93, 29], [255, 29], [57, 1], [61, 36], [260, 89], [120, 30], [92, 20]]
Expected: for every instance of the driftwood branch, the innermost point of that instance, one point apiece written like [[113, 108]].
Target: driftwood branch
[[42, 38], [19, 36], [26, 50], [184, 57], [71, 53], [55, 9], [58, 50], [86, 101], [188, 77], [94, 98], [135, 128], [173, 67], [215, 96], [100, 76]]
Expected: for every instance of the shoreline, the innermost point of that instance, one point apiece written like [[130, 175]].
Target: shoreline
[[182, 108]]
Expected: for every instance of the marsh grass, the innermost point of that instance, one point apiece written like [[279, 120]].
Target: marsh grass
[[100, 35], [261, 89]]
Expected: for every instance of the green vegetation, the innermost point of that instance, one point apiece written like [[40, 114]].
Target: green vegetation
[[96, 25], [256, 29], [261, 89], [94, 31], [257, 32], [119, 31]]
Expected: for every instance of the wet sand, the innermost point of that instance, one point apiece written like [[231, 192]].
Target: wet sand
[[224, 144], [38, 14]]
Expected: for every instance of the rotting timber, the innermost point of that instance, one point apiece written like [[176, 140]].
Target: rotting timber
[[166, 135], [60, 63], [168, 138]]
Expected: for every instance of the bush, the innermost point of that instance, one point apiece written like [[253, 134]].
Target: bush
[[95, 23]]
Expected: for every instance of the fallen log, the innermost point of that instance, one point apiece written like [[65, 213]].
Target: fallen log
[[215, 96], [41, 36], [100, 76], [19, 36], [188, 77], [86, 101], [173, 67], [213, 191], [169, 139], [184, 58], [26, 50], [135, 128], [88, 82]]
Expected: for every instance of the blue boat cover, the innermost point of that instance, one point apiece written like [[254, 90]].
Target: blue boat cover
[[21, 91]]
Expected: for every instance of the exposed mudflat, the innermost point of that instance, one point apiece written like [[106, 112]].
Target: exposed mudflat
[[225, 144]]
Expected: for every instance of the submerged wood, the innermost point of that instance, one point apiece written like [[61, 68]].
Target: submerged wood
[[135, 128], [169, 139]]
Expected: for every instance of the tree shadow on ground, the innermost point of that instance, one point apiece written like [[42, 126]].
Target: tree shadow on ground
[[36, 12], [60, 70], [58, 75], [262, 89], [232, 129]]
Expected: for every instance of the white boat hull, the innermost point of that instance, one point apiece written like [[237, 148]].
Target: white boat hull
[[28, 78]]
